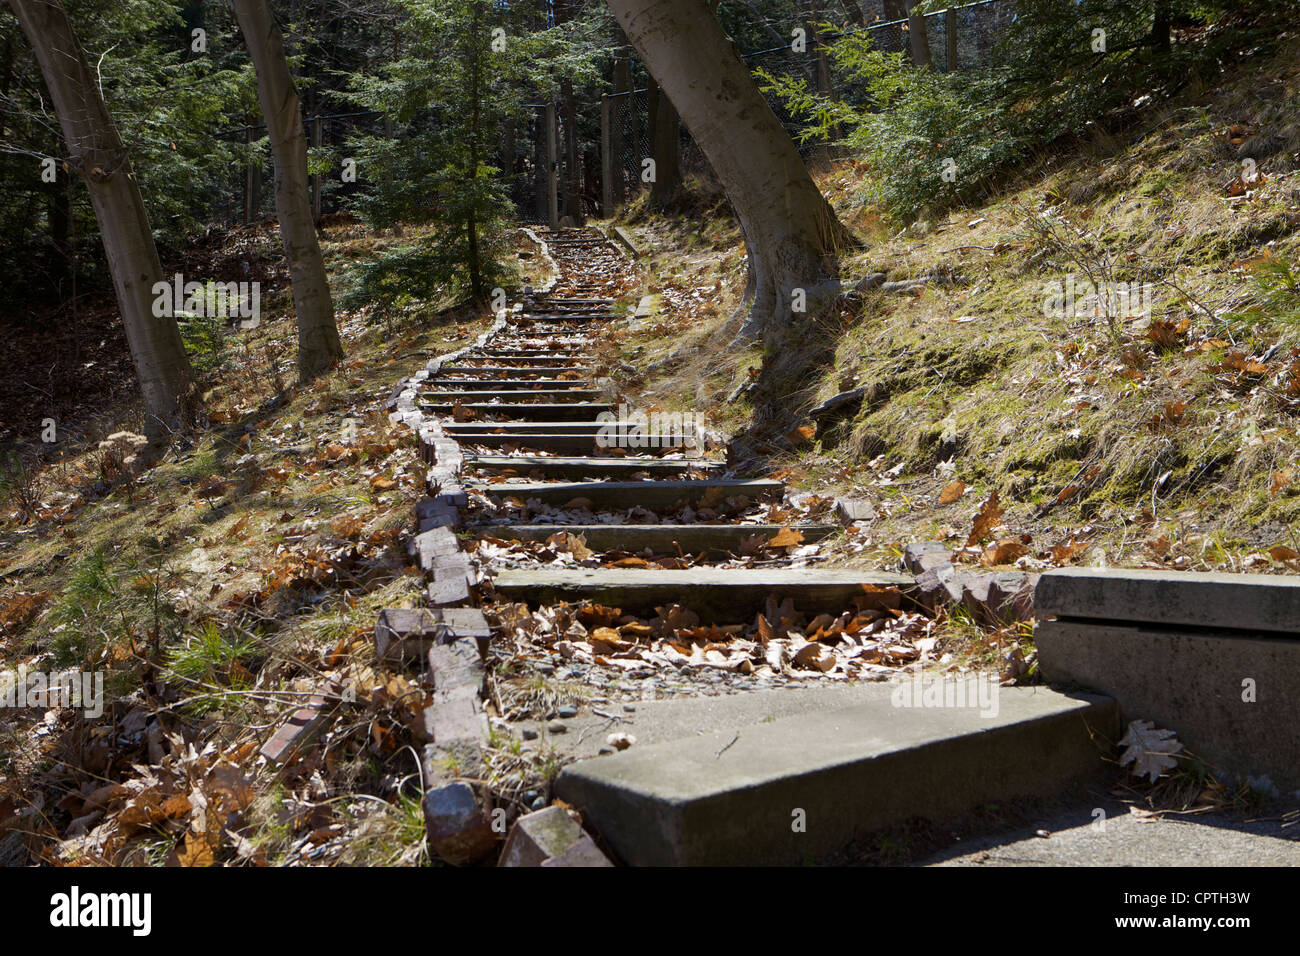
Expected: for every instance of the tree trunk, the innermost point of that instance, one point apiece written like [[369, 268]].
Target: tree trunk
[[791, 232], [1160, 28], [319, 347], [855, 13], [821, 68], [666, 144], [100, 158]]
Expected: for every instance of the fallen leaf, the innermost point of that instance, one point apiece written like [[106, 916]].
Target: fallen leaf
[[787, 537], [952, 492], [1150, 751]]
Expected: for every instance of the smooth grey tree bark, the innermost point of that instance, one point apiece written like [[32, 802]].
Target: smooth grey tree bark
[[792, 235], [97, 154], [319, 346]]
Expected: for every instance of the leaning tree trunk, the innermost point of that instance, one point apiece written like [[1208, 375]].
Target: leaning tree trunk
[[319, 347], [790, 230], [98, 155]]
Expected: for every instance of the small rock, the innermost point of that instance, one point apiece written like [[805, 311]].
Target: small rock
[[850, 510], [457, 824], [923, 555], [538, 803], [543, 668], [548, 835], [556, 727], [629, 708], [528, 733], [567, 712]]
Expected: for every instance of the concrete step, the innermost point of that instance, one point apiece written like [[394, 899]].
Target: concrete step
[[1252, 602], [519, 395], [526, 361], [628, 494], [533, 427], [543, 330], [578, 411], [520, 371], [478, 384], [800, 789], [569, 443], [1214, 657], [659, 538], [585, 467], [718, 595]]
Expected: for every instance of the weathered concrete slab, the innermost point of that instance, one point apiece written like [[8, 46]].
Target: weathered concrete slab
[[1250, 602], [481, 384], [1205, 839], [563, 442], [796, 790], [722, 596], [625, 237], [516, 371], [628, 494], [1230, 695], [455, 717], [534, 357], [559, 467], [659, 538], [573, 412], [512, 396], [404, 634], [530, 427], [547, 835]]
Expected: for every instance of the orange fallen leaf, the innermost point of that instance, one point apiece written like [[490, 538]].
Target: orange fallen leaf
[[787, 537], [952, 492]]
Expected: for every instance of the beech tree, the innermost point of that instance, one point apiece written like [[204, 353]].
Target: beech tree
[[97, 154], [319, 346], [791, 233]]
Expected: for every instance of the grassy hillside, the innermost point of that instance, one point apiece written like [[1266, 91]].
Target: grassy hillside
[[1127, 439]]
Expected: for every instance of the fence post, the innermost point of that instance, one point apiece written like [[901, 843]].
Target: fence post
[[552, 171], [920, 44], [316, 140], [606, 159], [950, 36], [252, 183], [618, 145]]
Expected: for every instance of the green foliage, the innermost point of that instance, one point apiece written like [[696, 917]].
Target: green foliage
[[468, 66], [1277, 294], [916, 126], [212, 657], [424, 274], [169, 105], [101, 605], [1052, 76], [204, 334]]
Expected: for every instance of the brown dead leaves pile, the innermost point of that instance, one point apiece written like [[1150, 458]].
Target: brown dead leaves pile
[[866, 642], [200, 796]]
